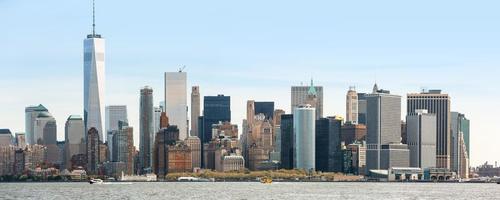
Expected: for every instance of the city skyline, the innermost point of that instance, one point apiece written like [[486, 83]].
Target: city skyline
[[240, 81]]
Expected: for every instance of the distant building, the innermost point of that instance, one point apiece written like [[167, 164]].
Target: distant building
[[114, 114], [31, 113], [5, 137], [7, 159], [276, 154], [195, 110], [176, 101], [421, 129], [353, 132], [460, 144], [74, 135], [215, 109], [287, 141], [194, 144], [305, 140], [233, 163], [123, 147], [20, 139], [436, 103], [164, 138], [328, 144], [362, 108], [264, 107], [93, 151], [45, 133], [352, 106], [300, 96], [146, 129], [157, 119], [179, 158], [355, 163]]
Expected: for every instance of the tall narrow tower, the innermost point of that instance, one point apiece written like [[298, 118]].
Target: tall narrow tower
[[352, 106], [195, 110], [93, 79]]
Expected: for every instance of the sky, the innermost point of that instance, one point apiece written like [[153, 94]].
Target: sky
[[255, 50]]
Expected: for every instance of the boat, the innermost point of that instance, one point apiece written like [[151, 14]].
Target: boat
[[266, 180], [95, 181], [192, 179]]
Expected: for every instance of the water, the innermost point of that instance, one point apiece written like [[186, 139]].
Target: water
[[247, 190]]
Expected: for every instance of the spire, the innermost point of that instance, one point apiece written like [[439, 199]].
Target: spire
[[93, 18], [312, 89], [375, 88]]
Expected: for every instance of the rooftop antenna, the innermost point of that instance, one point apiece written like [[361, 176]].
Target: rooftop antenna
[[93, 18], [182, 68]]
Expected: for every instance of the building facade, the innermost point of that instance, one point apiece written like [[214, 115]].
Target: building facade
[[421, 138], [176, 101], [74, 138], [304, 126], [31, 113], [328, 144], [351, 106], [300, 96], [146, 130], [195, 110], [287, 141]]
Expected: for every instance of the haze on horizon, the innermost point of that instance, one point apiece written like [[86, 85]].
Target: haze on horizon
[[256, 50]]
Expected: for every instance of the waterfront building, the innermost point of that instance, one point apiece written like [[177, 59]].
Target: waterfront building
[[179, 158], [362, 108], [164, 138], [123, 147], [20, 140], [115, 114], [436, 103], [5, 137], [93, 151], [35, 155], [7, 157], [328, 144], [94, 81], [287, 141], [352, 106], [233, 163], [45, 133], [194, 144], [421, 129], [384, 148], [302, 94], [353, 132], [355, 160], [305, 140], [74, 135], [176, 101], [460, 144], [31, 113], [146, 129], [157, 119], [276, 153], [195, 110], [215, 109]]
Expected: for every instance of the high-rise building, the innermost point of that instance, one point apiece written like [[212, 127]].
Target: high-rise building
[[421, 138], [304, 127], [195, 110], [164, 138], [460, 144], [93, 81], [306, 94], [328, 144], [20, 140], [352, 106], [194, 144], [439, 104], [357, 158], [146, 134], [5, 137], [157, 119], [114, 114], [31, 113], [176, 101], [259, 141], [384, 148], [215, 109], [93, 151], [123, 147], [353, 132], [276, 154], [362, 108], [265, 107], [74, 135], [45, 133], [287, 141]]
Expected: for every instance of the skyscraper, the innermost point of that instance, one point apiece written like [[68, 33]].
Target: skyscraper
[[304, 126], [300, 96], [384, 148], [176, 101], [157, 118], [328, 144], [352, 106], [361, 108], [266, 108], [114, 114], [215, 109], [45, 133], [123, 147], [287, 141], [421, 134], [460, 144], [93, 151], [74, 135], [93, 80], [146, 134], [195, 110], [436, 103], [31, 113], [5, 138]]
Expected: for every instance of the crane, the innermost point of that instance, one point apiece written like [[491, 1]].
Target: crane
[[182, 68]]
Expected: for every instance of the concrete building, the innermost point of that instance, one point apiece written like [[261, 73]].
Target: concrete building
[[114, 114], [31, 113], [328, 144], [353, 132], [362, 108], [164, 138], [421, 129], [194, 144], [352, 106], [45, 133], [20, 140], [176, 101], [233, 163], [146, 129], [300, 96], [287, 141], [195, 110], [157, 119], [384, 148], [439, 104], [93, 151], [94, 82], [5, 137], [460, 144], [123, 148], [179, 158], [357, 159], [304, 126], [74, 135]]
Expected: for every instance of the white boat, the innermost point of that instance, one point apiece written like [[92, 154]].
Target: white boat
[[96, 181], [192, 179]]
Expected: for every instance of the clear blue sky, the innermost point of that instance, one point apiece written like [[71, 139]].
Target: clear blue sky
[[256, 50]]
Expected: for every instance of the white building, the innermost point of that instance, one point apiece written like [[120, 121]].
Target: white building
[[421, 134], [74, 138], [300, 96], [114, 114], [176, 101], [304, 126]]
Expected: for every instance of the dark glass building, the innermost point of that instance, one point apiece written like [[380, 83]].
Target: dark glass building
[[362, 108], [329, 156], [215, 109], [265, 107], [287, 141]]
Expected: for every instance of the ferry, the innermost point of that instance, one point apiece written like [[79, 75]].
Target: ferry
[[266, 180], [192, 179], [95, 181]]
